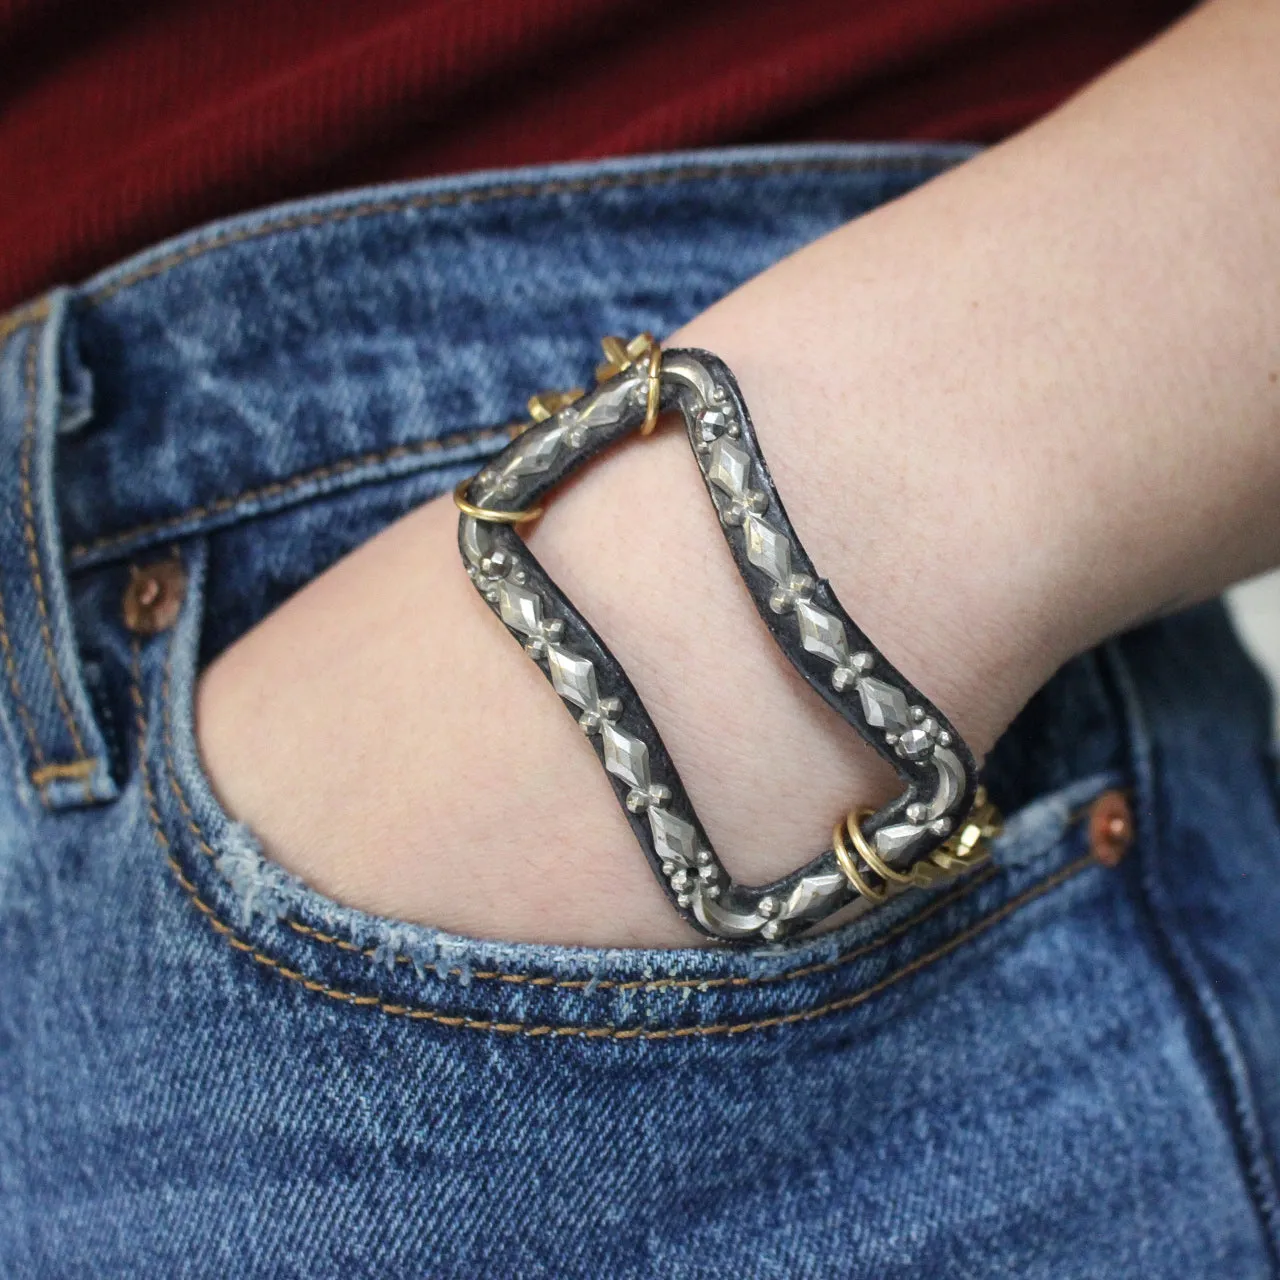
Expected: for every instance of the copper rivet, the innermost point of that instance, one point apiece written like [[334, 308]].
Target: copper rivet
[[1110, 827], [154, 596]]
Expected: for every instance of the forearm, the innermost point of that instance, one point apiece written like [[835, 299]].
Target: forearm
[[1081, 329], [1009, 414]]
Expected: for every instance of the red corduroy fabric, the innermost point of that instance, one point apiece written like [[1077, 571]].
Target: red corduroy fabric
[[123, 123]]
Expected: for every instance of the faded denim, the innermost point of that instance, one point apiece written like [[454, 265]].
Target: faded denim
[[1049, 1070]]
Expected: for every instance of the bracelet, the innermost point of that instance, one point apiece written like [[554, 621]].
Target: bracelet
[[939, 827]]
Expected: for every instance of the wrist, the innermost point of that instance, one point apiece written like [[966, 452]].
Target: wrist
[[769, 769], [636, 545]]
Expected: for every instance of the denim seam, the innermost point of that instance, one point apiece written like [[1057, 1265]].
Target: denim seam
[[29, 529], [604, 1031], [610, 1030], [1252, 1148], [543, 980], [668, 984], [224, 506], [11, 670], [31, 313], [485, 195], [43, 773], [28, 516], [83, 766]]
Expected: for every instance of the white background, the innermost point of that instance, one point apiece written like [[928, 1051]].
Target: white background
[[1256, 608]]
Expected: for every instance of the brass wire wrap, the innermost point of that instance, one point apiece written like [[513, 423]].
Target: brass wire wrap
[[619, 357], [968, 848], [654, 391], [848, 863], [487, 513]]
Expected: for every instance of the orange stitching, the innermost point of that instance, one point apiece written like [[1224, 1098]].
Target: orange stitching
[[606, 1031], [11, 667], [543, 980], [697, 984], [222, 505], [689, 173], [33, 556], [52, 772], [486, 195], [22, 317], [609, 1030]]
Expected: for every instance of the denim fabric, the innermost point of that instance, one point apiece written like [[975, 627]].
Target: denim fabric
[[1052, 1069]]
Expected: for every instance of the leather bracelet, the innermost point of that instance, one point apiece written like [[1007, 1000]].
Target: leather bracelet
[[941, 824]]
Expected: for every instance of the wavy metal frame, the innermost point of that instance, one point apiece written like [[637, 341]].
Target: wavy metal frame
[[914, 836]]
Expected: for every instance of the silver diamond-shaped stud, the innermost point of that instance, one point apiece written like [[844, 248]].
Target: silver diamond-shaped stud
[[537, 451], [520, 608], [884, 706], [625, 757], [813, 889], [573, 677], [675, 840], [767, 549], [729, 468], [821, 633], [892, 841]]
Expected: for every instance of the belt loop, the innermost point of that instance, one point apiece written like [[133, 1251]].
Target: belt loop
[[42, 690]]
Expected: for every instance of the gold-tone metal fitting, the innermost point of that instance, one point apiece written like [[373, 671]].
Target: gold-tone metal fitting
[[546, 404], [620, 356], [848, 863], [488, 514], [153, 596], [1111, 828], [968, 847]]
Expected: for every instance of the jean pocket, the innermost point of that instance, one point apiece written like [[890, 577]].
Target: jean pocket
[[876, 1101], [379, 967]]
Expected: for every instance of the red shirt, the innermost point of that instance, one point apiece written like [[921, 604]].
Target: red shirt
[[121, 123]]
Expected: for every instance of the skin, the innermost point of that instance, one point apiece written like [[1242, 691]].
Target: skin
[[1010, 414]]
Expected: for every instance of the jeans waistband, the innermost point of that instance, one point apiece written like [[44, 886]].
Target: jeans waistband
[[232, 363], [269, 359]]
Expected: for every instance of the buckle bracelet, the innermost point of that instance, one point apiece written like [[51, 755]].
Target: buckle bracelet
[[942, 823]]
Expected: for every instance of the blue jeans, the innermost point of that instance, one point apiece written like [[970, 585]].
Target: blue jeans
[[1051, 1069]]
